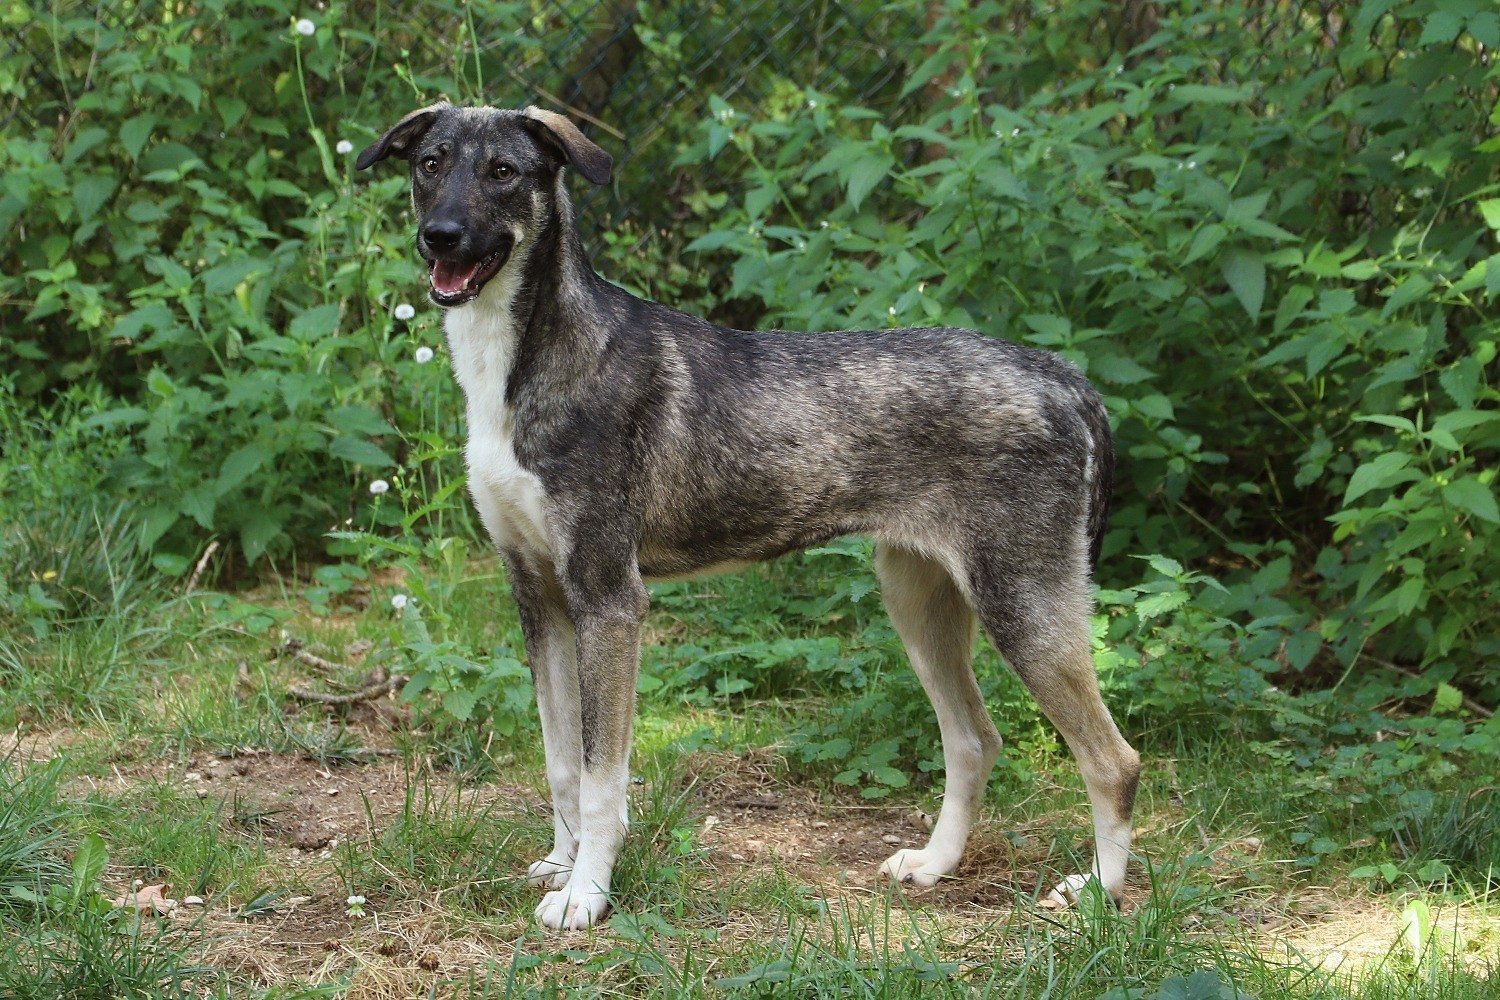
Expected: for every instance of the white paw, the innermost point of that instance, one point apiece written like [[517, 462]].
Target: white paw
[[552, 872], [920, 868], [572, 910], [1067, 892]]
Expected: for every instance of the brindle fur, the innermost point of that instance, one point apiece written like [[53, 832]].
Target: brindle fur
[[614, 440]]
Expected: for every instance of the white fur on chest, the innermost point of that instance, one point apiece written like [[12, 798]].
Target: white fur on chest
[[511, 499]]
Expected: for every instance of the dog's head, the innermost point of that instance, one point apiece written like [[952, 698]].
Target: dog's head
[[483, 183]]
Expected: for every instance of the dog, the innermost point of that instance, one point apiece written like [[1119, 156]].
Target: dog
[[614, 441]]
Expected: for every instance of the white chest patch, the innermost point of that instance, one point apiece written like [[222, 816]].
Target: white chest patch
[[511, 500]]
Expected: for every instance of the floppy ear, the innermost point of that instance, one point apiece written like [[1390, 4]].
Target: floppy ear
[[401, 135], [562, 137]]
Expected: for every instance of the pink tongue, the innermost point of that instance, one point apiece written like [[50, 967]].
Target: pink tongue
[[448, 277]]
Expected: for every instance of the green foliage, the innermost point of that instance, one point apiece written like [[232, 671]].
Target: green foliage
[[1279, 281], [181, 231]]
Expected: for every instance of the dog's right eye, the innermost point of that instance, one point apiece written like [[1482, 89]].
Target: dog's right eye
[[430, 165]]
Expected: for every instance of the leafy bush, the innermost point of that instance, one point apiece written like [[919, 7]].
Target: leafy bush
[[1277, 274]]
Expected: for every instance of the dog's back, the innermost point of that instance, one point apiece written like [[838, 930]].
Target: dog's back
[[771, 441]]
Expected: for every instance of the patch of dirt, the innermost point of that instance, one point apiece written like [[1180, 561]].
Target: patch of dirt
[[753, 816]]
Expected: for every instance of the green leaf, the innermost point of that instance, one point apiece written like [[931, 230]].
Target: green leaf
[[239, 466], [865, 174], [1490, 209], [360, 452], [1291, 306], [89, 862], [1440, 28], [1156, 605], [1404, 294], [1245, 271], [90, 193], [231, 110], [1197, 93], [1473, 497], [890, 776], [135, 132], [1384, 470], [460, 703], [716, 240], [1447, 699], [1205, 241], [319, 321]]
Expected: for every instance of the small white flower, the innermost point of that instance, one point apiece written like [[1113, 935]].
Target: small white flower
[[404, 311], [1015, 131], [823, 224], [812, 104], [398, 601], [305, 27], [354, 906], [1421, 192], [423, 355], [1400, 155], [892, 310], [379, 486], [356, 901], [344, 147], [1192, 164]]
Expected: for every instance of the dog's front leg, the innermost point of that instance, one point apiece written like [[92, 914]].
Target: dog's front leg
[[607, 608], [551, 651]]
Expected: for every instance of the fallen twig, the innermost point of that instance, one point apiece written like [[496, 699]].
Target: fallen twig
[[293, 647], [381, 684], [208, 554], [1469, 703]]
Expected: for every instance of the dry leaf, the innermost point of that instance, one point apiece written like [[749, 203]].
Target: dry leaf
[[147, 899]]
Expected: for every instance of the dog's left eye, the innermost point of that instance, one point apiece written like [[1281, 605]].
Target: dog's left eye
[[504, 172]]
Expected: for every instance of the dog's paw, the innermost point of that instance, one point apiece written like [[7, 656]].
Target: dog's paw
[[567, 910], [551, 872], [918, 868], [1067, 892]]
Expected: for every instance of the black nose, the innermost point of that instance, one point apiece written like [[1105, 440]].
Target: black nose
[[442, 235]]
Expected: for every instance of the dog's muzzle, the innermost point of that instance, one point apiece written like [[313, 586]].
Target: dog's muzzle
[[457, 282]]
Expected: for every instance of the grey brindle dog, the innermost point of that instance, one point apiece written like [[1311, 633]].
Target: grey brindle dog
[[613, 440]]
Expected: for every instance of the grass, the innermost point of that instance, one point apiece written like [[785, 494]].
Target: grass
[[162, 723]]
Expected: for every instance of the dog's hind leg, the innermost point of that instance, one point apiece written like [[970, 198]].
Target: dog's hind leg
[[937, 626], [1039, 620], [551, 650]]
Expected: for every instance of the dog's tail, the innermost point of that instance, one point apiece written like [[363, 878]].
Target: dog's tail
[[1102, 473]]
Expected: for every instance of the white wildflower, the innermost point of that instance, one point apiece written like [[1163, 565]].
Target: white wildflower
[[1400, 155], [423, 355], [404, 311], [379, 486], [398, 601], [354, 906], [892, 310], [305, 27], [1421, 192], [1192, 164], [812, 104], [344, 147]]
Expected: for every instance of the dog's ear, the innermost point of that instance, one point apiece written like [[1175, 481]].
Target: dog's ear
[[562, 137], [401, 135]]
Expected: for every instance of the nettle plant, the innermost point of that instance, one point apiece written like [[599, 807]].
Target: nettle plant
[[1277, 265], [181, 227]]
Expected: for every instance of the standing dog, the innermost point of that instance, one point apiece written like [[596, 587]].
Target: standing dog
[[613, 440]]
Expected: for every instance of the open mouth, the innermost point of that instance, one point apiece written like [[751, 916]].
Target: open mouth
[[455, 283]]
